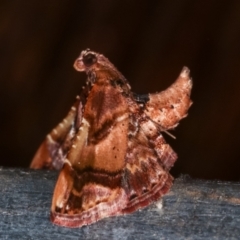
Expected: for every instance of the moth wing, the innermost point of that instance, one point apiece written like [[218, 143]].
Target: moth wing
[[53, 149], [89, 186], [148, 161], [168, 107]]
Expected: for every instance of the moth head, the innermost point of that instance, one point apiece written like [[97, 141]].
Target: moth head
[[92, 63], [89, 60], [86, 60]]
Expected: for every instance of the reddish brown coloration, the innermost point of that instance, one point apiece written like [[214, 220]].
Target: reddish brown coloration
[[114, 157]]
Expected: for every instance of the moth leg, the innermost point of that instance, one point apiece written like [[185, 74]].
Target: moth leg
[[52, 151]]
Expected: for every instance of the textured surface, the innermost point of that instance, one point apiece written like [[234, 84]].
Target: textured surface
[[193, 209]]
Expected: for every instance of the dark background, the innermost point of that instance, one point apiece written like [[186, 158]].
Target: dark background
[[149, 42]]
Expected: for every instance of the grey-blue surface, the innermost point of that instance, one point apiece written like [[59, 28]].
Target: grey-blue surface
[[193, 209]]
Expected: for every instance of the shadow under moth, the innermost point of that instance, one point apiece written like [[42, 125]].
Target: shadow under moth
[[109, 148]]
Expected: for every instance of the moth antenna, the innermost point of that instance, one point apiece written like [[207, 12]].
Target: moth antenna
[[161, 129], [169, 134]]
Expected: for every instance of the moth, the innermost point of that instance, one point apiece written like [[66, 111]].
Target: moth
[[110, 150]]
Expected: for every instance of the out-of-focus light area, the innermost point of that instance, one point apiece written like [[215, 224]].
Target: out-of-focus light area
[[149, 42]]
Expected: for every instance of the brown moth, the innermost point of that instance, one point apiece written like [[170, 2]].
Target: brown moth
[[112, 155]]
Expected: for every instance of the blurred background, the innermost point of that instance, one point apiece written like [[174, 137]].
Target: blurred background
[[149, 42]]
